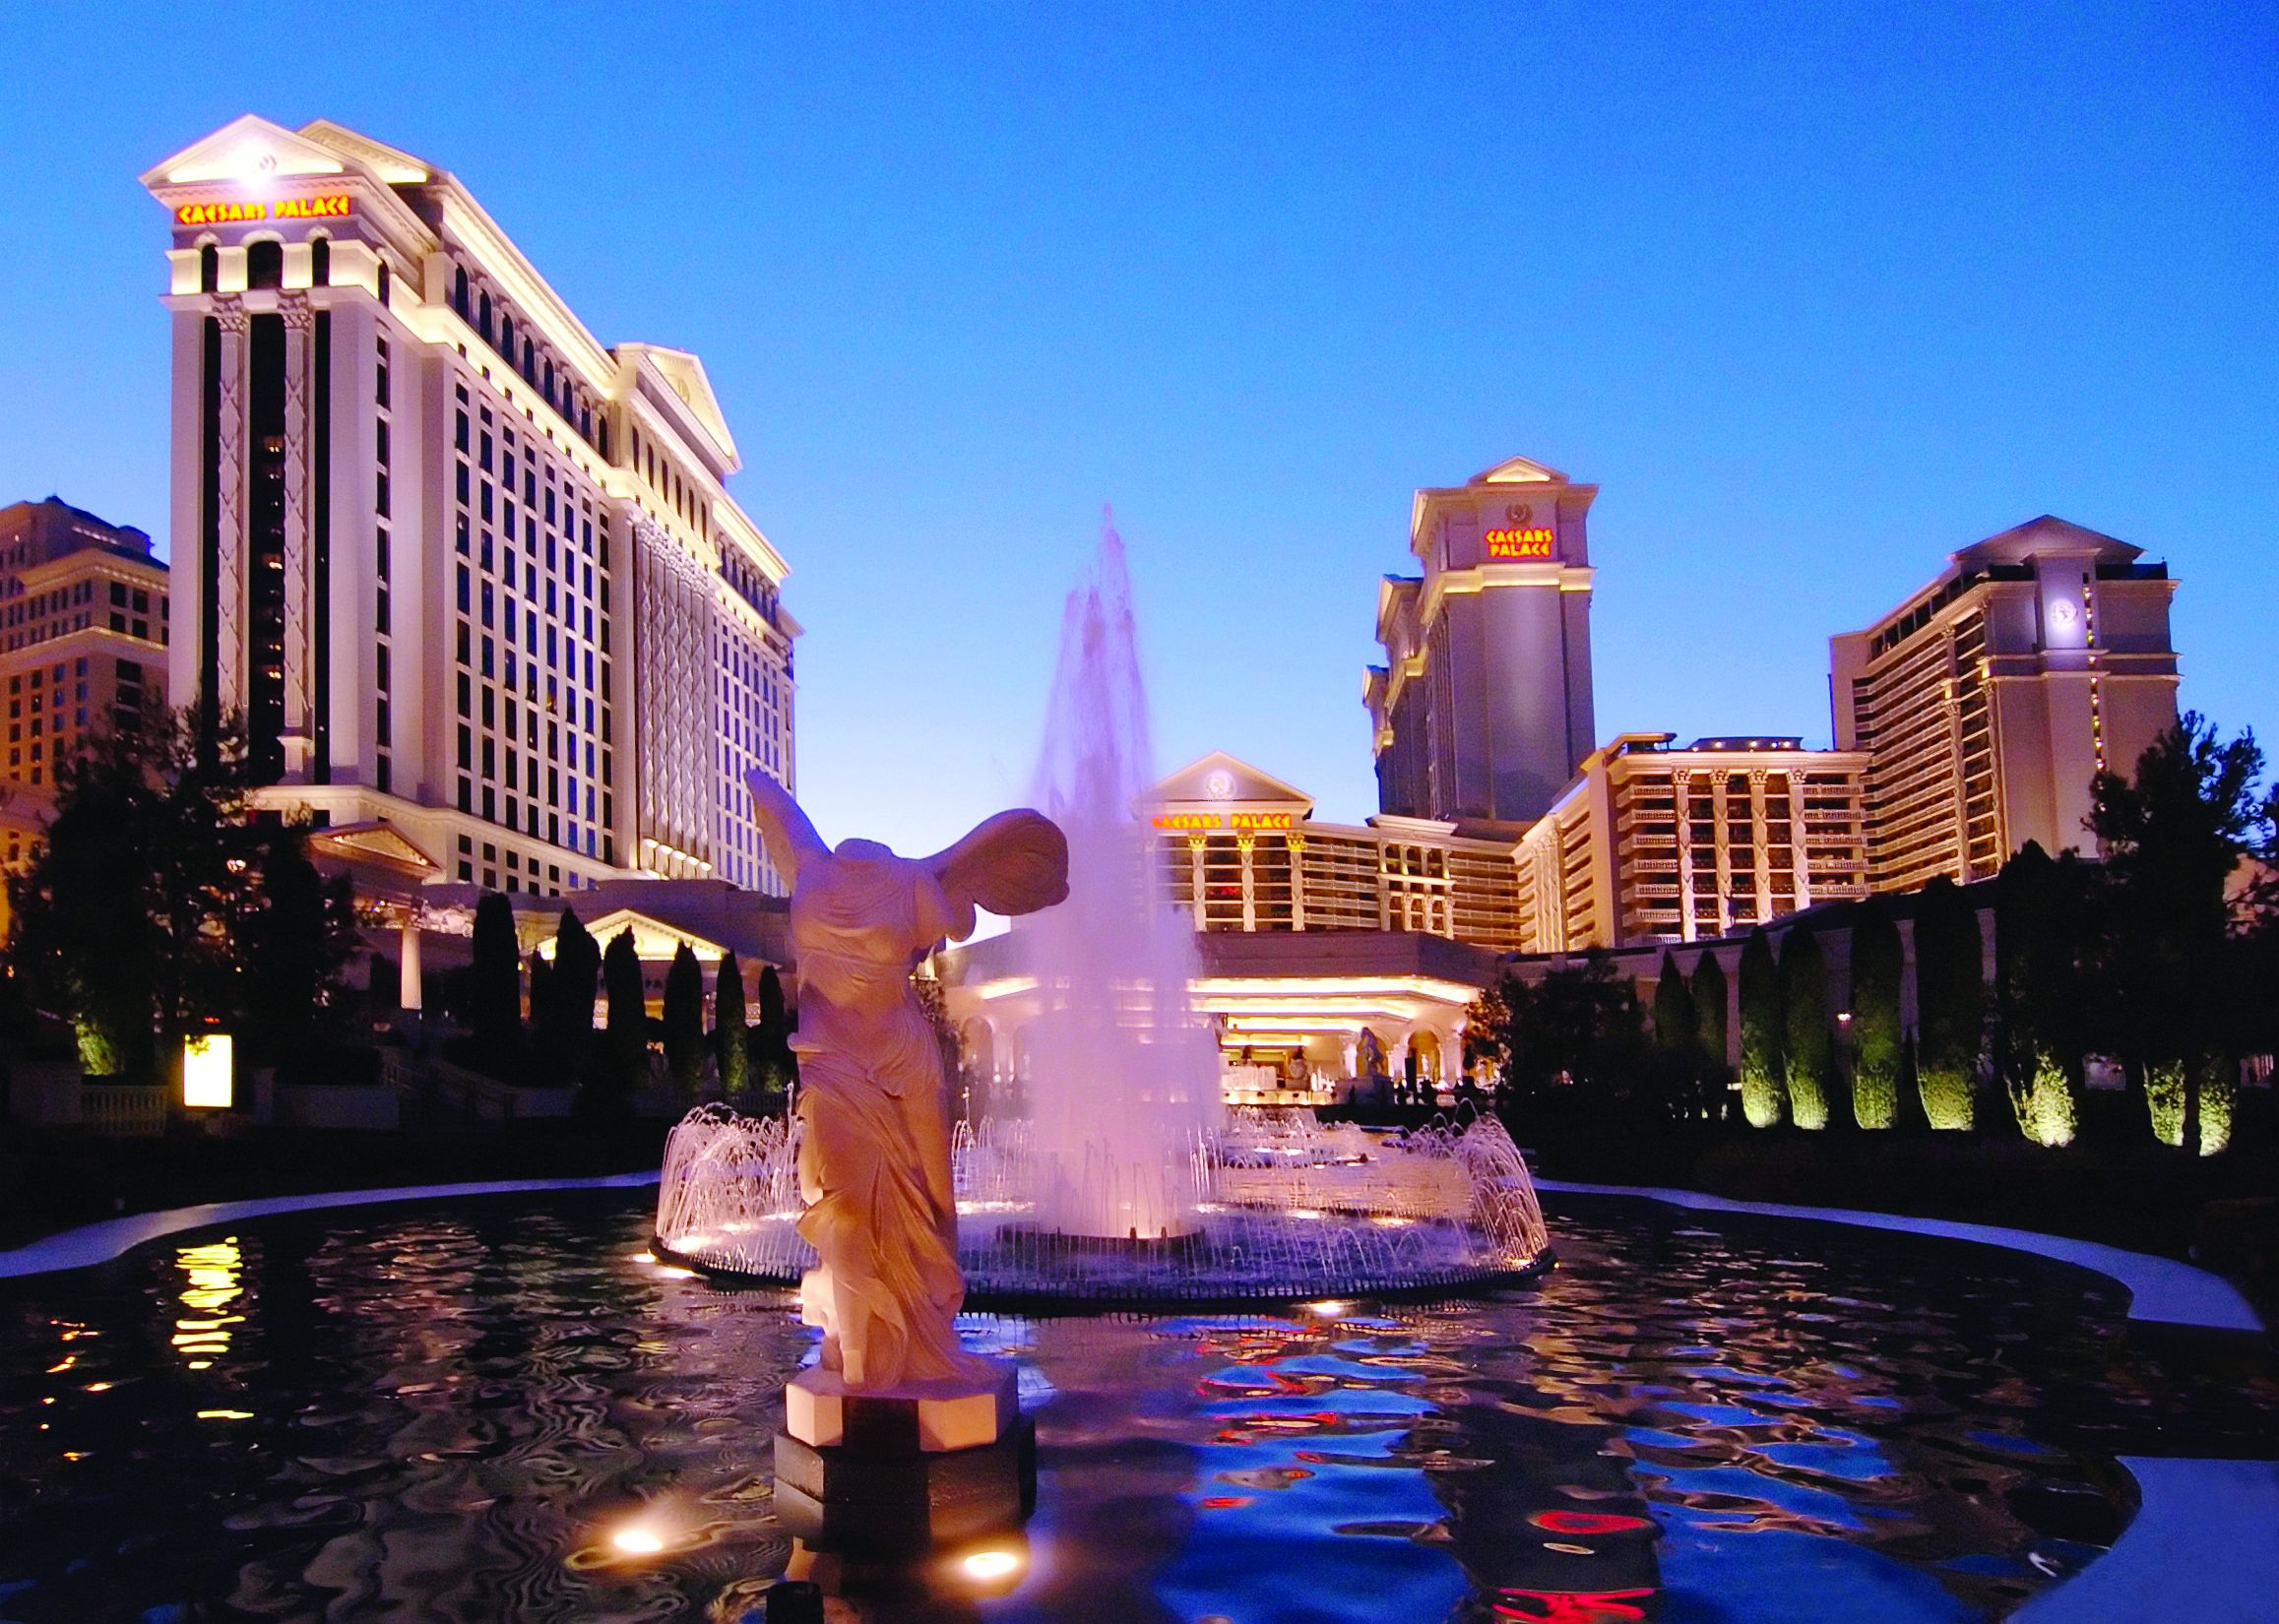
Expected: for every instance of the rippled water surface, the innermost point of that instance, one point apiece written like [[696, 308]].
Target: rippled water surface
[[417, 1415]]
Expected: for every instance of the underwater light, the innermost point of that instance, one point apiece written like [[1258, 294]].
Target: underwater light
[[638, 1540], [988, 1565]]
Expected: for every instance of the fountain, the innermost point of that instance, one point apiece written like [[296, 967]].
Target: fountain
[[1127, 1185], [1126, 1078]]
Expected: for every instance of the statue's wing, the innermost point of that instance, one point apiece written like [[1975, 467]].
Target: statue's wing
[[1015, 862], [790, 840]]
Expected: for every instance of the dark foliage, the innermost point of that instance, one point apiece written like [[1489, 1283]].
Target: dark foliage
[[730, 1038], [496, 986], [683, 1022]]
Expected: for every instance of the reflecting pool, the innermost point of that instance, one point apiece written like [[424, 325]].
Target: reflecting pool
[[505, 1410]]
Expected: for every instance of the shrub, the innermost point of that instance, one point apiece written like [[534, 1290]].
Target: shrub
[[1877, 1042], [1807, 1056], [1764, 1067], [1950, 1003]]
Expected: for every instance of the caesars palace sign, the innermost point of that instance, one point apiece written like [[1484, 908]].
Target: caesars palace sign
[[331, 206], [1221, 819], [1519, 542]]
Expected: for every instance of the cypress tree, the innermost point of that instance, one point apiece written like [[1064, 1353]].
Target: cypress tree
[[1709, 1015], [495, 984], [1677, 1041], [1950, 1003], [775, 1068], [2038, 993], [569, 1017], [1807, 1056], [732, 1053], [1763, 1068], [627, 1065], [1876, 1038], [684, 1022]]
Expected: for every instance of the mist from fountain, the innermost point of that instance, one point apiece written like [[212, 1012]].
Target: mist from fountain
[[1125, 1076]]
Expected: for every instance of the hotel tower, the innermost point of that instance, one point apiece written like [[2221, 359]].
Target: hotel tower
[[1482, 711], [460, 570], [1988, 702]]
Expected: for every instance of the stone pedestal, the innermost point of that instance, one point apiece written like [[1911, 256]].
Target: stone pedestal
[[903, 1471]]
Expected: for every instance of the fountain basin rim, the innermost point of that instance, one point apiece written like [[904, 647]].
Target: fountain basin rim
[[1437, 1285]]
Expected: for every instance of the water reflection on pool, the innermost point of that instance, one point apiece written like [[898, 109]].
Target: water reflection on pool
[[506, 1411]]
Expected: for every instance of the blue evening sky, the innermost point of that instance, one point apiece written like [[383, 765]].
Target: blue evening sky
[[1817, 294]]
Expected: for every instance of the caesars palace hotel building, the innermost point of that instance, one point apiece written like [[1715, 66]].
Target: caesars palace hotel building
[[463, 571]]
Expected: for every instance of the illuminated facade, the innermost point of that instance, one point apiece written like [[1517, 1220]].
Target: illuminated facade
[[1239, 850], [1482, 708], [83, 632], [463, 571], [1658, 842], [1987, 701], [83, 645]]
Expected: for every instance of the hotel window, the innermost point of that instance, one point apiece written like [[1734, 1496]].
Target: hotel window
[[458, 291], [482, 322], [383, 284], [319, 261], [209, 269], [263, 264]]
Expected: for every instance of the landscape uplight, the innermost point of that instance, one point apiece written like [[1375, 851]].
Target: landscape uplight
[[207, 1070]]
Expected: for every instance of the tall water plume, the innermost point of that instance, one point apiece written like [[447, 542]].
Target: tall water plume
[[1123, 1078]]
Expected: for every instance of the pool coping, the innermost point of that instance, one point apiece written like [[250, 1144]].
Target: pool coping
[[2162, 1290], [113, 1238]]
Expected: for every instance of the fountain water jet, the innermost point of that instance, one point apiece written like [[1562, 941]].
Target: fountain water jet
[[1124, 1077]]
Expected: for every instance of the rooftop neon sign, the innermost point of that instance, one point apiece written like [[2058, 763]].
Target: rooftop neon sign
[[1215, 820], [1534, 541], [329, 206]]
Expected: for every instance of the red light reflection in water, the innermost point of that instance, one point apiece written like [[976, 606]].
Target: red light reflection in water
[[1587, 1521], [1572, 1607]]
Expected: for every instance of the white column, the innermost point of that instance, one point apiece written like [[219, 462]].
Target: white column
[[1680, 785], [1195, 845], [1722, 845], [1297, 847], [1756, 837], [1247, 845], [230, 559], [1800, 862], [408, 973], [298, 736]]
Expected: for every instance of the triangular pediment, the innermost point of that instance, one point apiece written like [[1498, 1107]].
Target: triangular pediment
[[2048, 534], [652, 938], [683, 374], [1221, 779], [246, 151], [370, 842], [1519, 470]]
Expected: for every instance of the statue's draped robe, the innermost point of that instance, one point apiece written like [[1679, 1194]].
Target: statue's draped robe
[[874, 1163]]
